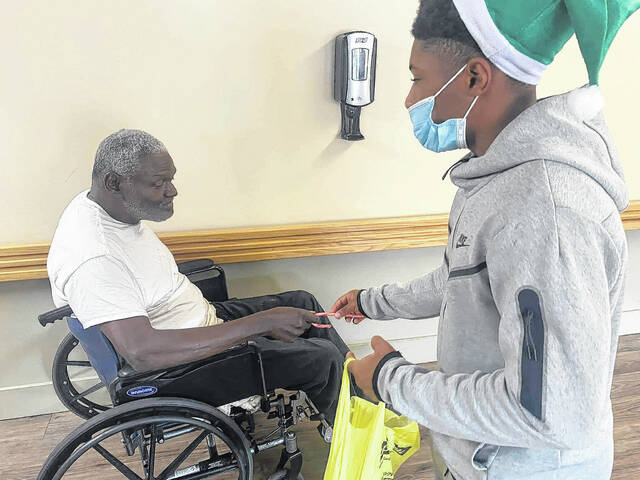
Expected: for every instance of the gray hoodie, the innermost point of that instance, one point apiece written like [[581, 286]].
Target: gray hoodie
[[529, 297]]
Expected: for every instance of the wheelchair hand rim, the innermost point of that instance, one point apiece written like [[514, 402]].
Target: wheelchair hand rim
[[182, 411]]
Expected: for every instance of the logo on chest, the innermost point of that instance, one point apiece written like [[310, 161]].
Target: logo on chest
[[462, 241]]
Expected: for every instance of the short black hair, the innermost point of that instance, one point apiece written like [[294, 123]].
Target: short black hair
[[441, 30]]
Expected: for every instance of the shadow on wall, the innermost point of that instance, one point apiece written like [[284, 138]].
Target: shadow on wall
[[252, 286], [335, 149]]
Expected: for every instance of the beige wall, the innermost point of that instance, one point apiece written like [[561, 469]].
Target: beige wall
[[241, 93]]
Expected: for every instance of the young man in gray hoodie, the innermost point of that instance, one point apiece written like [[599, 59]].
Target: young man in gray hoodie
[[531, 286]]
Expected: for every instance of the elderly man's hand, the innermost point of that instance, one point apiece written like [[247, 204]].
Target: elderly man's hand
[[362, 370]]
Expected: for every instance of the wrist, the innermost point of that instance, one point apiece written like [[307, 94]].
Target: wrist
[[261, 323], [360, 309], [376, 372]]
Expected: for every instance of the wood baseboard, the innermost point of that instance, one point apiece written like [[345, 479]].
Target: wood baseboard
[[249, 244]]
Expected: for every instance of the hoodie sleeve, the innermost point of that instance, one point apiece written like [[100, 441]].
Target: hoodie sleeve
[[418, 298], [552, 290]]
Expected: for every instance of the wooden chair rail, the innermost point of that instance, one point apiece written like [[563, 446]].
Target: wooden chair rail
[[29, 261]]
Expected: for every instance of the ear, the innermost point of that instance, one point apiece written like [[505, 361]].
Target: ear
[[112, 182], [480, 75]]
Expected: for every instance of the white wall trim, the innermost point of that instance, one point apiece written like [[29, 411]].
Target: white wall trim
[[415, 349], [630, 322], [44, 384]]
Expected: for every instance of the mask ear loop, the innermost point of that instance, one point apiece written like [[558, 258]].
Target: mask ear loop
[[425, 100], [470, 107], [462, 127], [450, 80]]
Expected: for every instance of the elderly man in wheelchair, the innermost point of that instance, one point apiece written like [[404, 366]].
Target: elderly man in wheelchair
[[178, 357]]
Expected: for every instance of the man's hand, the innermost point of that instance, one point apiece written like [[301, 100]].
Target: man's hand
[[362, 370], [347, 304], [288, 323]]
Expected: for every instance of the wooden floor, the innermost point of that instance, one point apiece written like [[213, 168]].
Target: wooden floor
[[26, 442]]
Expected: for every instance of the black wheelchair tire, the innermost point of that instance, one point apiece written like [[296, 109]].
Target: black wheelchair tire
[[63, 386], [145, 411]]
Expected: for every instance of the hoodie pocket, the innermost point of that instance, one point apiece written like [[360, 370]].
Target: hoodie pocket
[[532, 363]]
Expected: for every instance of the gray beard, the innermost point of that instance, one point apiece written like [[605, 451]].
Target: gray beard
[[146, 212]]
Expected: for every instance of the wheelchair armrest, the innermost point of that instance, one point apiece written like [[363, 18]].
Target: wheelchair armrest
[[55, 315], [127, 372], [194, 266], [208, 277]]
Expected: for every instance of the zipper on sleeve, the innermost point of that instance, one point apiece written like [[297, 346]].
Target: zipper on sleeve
[[531, 346], [532, 356]]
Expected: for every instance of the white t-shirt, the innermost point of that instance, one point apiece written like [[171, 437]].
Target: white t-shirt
[[108, 270]]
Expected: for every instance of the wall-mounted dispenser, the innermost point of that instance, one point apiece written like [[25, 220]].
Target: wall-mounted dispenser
[[354, 79]]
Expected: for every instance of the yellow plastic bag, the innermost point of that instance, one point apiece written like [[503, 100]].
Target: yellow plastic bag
[[369, 441]]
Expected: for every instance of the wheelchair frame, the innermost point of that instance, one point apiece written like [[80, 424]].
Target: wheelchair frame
[[205, 274], [147, 422]]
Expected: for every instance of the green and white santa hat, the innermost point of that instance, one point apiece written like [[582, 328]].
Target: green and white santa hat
[[521, 37]]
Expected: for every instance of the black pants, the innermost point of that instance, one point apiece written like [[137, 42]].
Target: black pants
[[312, 363]]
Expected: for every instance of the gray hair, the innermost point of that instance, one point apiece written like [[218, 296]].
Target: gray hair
[[121, 152]]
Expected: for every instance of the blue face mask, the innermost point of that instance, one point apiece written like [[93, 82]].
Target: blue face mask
[[439, 137]]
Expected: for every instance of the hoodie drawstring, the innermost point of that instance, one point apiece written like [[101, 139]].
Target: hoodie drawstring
[[462, 160]]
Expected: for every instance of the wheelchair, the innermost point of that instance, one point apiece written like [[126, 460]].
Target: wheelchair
[[140, 412]]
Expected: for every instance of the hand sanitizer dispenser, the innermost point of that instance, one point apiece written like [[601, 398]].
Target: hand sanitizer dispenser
[[354, 79]]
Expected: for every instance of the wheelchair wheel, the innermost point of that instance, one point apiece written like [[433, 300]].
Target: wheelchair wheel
[[75, 381], [158, 436]]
